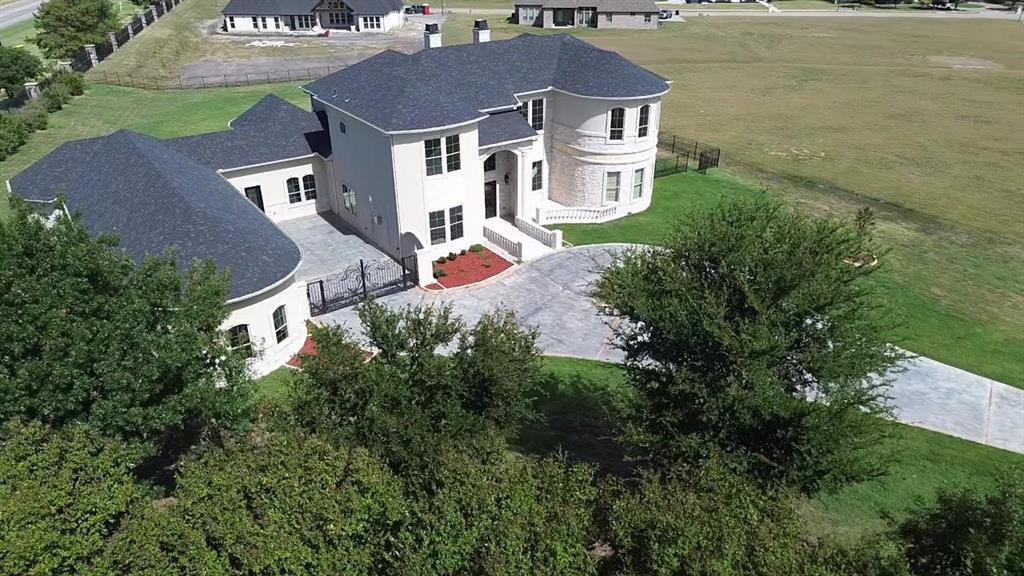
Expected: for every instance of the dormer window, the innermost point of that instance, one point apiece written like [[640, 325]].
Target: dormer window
[[617, 124], [533, 112]]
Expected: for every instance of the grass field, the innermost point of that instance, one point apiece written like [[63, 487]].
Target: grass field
[[918, 119], [17, 35], [583, 397]]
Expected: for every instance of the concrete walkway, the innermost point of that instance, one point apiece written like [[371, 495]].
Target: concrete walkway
[[551, 294]]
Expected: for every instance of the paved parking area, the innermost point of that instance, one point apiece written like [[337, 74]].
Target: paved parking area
[[551, 294], [328, 245]]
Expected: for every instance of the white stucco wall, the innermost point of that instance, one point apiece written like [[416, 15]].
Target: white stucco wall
[[361, 159], [419, 194], [245, 24], [272, 180], [582, 154], [257, 312]]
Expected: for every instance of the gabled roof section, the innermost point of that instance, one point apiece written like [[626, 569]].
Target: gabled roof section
[[453, 85], [269, 7], [504, 127], [154, 198], [379, 7], [272, 130], [640, 6]]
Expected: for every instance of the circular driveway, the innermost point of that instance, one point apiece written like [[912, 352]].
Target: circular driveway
[[551, 294]]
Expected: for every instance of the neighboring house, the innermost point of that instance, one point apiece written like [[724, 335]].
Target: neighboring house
[[312, 16], [420, 154], [588, 13]]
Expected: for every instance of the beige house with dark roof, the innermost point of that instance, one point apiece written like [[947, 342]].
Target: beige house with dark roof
[[637, 14]]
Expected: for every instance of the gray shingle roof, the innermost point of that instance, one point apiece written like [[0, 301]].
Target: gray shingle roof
[[154, 197], [639, 6], [374, 6], [504, 127], [269, 7], [451, 85], [273, 129]]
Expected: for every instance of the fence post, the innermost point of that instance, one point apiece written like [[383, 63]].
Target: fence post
[[32, 89], [674, 144], [323, 297], [179, 82], [362, 276], [113, 41], [155, 15], [90, 49]]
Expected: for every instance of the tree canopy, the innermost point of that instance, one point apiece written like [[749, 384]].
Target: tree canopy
[[87, 335], [410, 403], [64, 26], [17, 66], [753, 332], [62, 496]]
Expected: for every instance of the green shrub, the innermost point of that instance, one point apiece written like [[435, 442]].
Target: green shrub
[[462, 252], [13, 133], [442, 259], [452, 256], [74, 82], [440, 273], [476, 248], [35, 116], [55, 97]]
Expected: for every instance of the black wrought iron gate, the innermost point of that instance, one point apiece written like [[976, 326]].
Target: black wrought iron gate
[[356, 283]]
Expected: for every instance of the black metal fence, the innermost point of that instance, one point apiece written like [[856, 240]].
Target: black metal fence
[[676, 154], [358, 283], [132, 80]]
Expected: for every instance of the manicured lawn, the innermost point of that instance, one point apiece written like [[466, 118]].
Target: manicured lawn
[[838, 114], [274, 386], [105, 109], [17, 34], [583, 397]]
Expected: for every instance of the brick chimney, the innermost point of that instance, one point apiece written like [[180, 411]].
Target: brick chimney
[[432, 37], [481, 32]]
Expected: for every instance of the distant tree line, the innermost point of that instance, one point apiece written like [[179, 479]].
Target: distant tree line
[[133, 442]]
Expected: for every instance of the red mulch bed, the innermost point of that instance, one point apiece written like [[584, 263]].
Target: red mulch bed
[[308, 347], [469, 268]]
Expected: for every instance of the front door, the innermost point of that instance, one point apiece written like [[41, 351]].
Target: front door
[[490, 199], [255, 195]]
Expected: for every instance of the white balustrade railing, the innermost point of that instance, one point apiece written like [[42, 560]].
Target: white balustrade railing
[[549, 238], [510, 246], [579, 215]]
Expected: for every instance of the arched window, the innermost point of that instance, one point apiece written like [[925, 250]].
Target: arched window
[[644, 122], [309, 185], [238, 340], [294, 192], [617, 124], [280, 324]]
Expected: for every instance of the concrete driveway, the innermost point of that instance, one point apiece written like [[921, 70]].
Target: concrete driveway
[[328, 245], [550, 294]]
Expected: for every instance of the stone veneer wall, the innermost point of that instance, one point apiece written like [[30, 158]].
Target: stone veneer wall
[[579, 160]]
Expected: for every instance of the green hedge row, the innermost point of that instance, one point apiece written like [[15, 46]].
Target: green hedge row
[[15, 126]]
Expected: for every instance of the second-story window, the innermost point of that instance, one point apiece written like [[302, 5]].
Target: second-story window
[[309, 186], [432, 148], [618, 123], [645, 121], [537, 114], [453, 157]]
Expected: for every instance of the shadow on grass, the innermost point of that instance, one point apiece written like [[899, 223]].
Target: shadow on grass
[[578, 417]]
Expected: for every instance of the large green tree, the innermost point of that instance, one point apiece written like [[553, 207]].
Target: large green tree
[[706, 521], [87, 335], [754, 332], [270, 503], [17, 66], [410, 402], [62, 495], [64, 26], [968, 533]]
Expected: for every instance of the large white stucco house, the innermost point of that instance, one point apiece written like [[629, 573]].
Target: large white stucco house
[[414, 155], [311, 16]]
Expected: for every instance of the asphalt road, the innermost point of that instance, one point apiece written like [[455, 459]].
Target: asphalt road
[[17, 11]]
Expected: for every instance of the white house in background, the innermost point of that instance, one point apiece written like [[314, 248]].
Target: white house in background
[[312, 16], [639, 14], [420, 154]]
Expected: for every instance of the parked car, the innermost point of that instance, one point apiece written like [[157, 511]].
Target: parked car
[[414, 9], [665, 15]]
